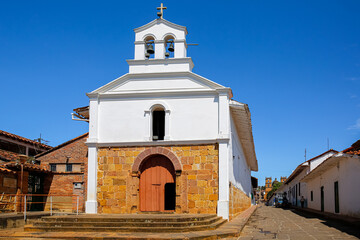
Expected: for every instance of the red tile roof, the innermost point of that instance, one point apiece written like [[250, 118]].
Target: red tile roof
[[354, 149], [25, 140], [8, 156], [27, 167], [5, 170]]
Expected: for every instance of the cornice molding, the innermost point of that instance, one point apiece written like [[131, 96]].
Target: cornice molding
[[158, 21], [159, 143]]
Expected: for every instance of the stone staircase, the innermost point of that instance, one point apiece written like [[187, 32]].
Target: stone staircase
[[147, 223]]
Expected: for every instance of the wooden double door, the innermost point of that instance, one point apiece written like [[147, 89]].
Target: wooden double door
[[157, 185]]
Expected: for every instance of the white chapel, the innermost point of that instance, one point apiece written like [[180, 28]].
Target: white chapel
[[164, 139]]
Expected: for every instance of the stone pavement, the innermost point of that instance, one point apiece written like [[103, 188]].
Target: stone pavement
[[276, 223]]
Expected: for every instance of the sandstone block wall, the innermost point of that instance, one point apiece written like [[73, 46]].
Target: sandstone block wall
[[238, 201], [196, 185]]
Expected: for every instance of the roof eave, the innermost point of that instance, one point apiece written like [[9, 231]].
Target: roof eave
[[242, 118]]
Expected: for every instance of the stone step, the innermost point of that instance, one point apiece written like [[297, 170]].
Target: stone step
[[212, 226], [152, 223], [130, 218]]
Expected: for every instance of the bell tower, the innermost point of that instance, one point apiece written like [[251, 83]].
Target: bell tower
[[160, 46]]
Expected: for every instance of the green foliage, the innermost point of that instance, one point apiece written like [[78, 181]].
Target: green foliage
[[275, 186]]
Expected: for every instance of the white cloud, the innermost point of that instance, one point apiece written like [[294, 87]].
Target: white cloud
[[356, 126], [353, 96], [353, 78]]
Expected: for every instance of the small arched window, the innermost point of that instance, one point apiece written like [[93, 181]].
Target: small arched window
[[158, 123]]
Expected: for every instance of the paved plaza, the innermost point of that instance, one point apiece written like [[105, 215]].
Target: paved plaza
[[276, 223]]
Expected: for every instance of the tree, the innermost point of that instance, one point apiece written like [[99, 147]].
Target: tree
[[275, 187]]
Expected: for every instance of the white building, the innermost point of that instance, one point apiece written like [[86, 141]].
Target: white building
[[162, 108], [294, 188], [333, 186]]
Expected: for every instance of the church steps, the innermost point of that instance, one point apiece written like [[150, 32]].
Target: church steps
[[130, 218], [128, 223], [31, 228], [140, 224]]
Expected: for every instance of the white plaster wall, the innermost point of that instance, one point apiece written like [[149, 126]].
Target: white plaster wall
[[347, 174], [303, 189], [191, 118], [314, 163], [160, 67], [239, 171]]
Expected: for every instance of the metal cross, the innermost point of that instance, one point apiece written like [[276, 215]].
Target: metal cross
[[161, 8]]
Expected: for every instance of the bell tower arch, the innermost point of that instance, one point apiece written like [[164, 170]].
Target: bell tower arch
[[160, 46]]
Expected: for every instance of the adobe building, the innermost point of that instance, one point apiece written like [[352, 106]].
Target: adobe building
[[164, 139]]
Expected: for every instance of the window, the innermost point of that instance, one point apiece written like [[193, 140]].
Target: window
[[158, 124], [77, 185], [69, 167], [336, 195], [312, 196], [53, 167]]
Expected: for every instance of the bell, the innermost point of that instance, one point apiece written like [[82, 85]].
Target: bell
[[167, 54], [171, 47], [150, 49], [147, 55]]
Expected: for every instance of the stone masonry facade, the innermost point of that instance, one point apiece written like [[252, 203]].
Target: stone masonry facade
[[238, 201], [196, 177]]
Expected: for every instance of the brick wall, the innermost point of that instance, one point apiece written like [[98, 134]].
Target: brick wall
[[61, 182], [238, 201], [8, 185], [196, 185]]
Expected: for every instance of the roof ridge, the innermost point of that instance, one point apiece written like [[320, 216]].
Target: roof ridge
[[62, 145]]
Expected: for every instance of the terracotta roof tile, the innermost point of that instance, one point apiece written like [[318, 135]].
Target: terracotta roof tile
[[8, 156], [354, 149], [26, 140], [27, 166], [6, 170]]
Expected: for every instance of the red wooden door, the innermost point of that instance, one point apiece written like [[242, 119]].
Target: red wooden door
[[155, 173]]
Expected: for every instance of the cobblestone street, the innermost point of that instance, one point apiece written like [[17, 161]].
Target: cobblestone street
[[277, 223]]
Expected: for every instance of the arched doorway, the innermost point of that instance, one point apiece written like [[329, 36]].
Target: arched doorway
[[157, 185]]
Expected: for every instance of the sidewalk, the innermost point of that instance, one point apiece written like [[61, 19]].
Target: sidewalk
[[350, 220]]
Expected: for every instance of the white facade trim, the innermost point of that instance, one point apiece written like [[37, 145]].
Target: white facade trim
[[157, 143], [158, 21]]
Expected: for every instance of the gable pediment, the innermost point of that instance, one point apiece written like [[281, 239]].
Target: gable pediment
[[159, 82]]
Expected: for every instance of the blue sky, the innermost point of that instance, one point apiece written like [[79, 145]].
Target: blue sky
[[296, 63]]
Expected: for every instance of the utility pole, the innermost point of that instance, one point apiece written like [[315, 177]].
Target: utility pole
[[305, 154], [328, 145]]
